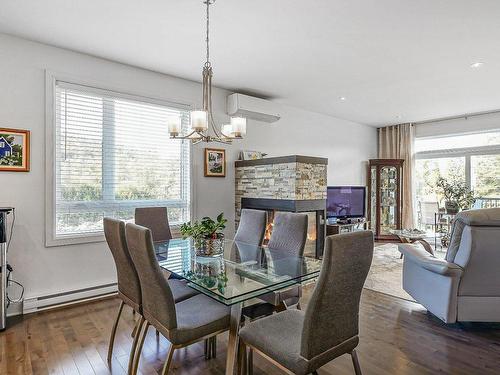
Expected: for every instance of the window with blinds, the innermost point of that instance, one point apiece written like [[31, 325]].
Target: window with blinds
[[113, 154]]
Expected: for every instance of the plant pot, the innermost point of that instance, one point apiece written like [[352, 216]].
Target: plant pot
[[452, 208], [209, 246]]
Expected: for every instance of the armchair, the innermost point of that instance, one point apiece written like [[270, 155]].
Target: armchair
[[465, 286]]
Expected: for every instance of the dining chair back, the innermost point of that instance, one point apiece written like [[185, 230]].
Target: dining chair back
[[300, 342], [289, 232], [155, 219], [252, 227], [428, 210], [182, 323], [129, 287], [332, 314], [157, 297]]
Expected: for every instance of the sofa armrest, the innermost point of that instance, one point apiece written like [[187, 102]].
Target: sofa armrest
[[429, 262]]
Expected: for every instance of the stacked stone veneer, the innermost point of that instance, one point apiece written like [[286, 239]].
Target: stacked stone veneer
[[288, 177]]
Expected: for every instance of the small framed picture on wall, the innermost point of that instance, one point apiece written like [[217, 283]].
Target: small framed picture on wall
[[14, 150], [215, 162]]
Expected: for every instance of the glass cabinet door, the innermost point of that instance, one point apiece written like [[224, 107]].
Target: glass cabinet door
[[388, 199], [373, 197]]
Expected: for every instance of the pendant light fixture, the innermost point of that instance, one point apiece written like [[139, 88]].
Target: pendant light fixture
[[203, 127]]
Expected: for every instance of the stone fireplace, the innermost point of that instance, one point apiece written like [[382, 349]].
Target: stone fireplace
[[288, 183]]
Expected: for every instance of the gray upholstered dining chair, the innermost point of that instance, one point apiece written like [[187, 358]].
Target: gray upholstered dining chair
[[129, 287], [252, 227], [289, 232], [289, 235], [300, 342], [183, 323], [156, 219]]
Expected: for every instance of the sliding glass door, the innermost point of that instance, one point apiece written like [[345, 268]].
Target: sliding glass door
[[485, 179], [473, 159]]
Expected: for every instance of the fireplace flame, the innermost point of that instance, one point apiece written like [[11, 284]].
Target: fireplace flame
[[311, 235], [269, 230]]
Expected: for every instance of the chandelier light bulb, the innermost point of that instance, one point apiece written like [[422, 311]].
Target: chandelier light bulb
[[239, 125], [174, 126], [199, 121]]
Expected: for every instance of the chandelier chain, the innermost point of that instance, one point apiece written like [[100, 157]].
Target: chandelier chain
[[208, 29]]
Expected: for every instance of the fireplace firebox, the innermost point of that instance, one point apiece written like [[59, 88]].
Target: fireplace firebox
[[315, 209], [288, 183]]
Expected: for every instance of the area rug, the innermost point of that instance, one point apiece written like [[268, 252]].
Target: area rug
[[386, 272]]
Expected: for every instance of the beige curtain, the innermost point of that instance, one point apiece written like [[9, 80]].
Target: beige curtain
[[396, 142]]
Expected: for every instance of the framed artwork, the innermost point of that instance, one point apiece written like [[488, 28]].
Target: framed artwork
[[215, 162], [14, 150]]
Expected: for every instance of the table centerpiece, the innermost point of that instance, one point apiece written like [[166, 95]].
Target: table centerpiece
[[208, 239]]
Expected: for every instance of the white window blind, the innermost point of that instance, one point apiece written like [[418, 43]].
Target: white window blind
[[113, 154]]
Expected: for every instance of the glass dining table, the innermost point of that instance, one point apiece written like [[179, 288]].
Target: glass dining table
[[234, 278]]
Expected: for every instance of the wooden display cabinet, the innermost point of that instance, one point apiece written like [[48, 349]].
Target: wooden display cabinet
[[385, 178]]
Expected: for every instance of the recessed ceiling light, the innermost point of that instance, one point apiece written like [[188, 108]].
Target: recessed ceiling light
[[342, 98], [477, 64]]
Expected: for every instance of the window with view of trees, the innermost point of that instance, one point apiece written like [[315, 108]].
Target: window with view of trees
[[471, 158], [113, 154]]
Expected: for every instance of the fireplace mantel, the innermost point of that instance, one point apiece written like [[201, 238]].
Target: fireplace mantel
[[282, 160]]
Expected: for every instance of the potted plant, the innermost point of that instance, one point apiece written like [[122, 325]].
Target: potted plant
[[207, 235], [457, 196]]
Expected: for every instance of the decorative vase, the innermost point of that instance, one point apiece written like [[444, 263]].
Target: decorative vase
[[209, 246], [451, 207]]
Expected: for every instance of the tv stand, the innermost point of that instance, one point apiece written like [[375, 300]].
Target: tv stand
[[339, 228]]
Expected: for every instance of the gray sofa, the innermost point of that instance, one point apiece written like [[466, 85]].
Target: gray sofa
[[465, 286]]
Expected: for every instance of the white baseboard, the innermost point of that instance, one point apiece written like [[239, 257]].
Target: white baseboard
[[52, 301]]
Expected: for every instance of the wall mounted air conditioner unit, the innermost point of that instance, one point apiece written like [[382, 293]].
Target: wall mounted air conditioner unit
[[252, 108]]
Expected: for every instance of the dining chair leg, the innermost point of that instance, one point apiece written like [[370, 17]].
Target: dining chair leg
[[207, 349], [113, 332], [355, 363], [214, 347], [140, 344], [138, 328], [168, 361]]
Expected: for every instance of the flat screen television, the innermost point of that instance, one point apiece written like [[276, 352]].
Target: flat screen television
[[345, 201]]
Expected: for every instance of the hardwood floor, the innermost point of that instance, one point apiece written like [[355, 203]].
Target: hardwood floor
[[397, 337]]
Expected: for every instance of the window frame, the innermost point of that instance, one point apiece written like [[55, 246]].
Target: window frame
[[51, 79], [466, 152]]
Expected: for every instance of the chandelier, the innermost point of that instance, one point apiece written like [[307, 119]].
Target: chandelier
[[203, 127]]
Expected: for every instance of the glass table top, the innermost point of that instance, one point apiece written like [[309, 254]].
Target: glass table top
[[412, 235], [242, 272]]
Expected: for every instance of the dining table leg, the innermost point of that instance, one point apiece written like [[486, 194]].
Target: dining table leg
[[232, 345]]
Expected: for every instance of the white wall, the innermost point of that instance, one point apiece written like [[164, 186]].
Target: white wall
[[51, 270]]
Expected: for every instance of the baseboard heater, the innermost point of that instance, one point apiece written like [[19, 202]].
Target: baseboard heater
[[51, 301]]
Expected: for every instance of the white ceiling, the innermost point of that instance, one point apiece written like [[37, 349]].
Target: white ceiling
[[393, 60]]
